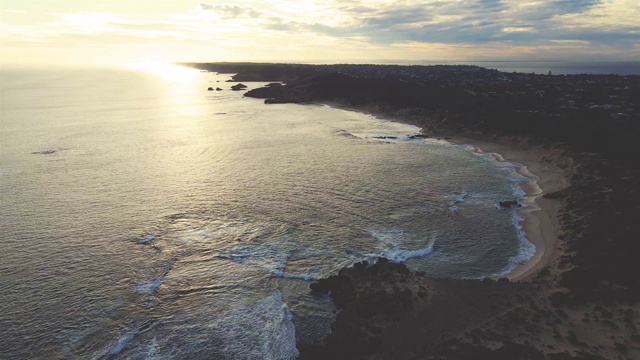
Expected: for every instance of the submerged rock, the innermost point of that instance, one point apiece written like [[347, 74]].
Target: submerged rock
[[509, 204], [44, 152]]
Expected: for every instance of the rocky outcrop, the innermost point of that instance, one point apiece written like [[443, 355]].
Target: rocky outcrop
[[387, 312], [238, 87]]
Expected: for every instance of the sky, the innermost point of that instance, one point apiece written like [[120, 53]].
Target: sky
[[140, 31]]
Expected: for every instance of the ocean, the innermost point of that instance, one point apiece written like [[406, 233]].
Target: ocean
[[144, 217]]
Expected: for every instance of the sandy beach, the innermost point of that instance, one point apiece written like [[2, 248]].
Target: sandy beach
[[539, 214], [550, 171]]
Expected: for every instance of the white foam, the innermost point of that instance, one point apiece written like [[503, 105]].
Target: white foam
[[272, 260], [153, 285], [152, 351], [526, 249], [389, 248], [305, 277], [123, 341], [462, 197], [263, 330], [261, 256], [398, 255], [519, 192], [457, 199], [147, 239]]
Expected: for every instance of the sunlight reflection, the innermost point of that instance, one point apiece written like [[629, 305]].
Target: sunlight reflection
[[169, 72], [178, 87]]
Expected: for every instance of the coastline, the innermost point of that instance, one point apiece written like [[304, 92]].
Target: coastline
[[539, 215], [576, 298], [529, 295]]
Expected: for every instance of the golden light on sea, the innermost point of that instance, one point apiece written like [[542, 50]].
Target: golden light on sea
[[169, 72]]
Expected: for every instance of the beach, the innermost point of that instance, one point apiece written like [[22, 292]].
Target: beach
[[540, 215], [539, 314]]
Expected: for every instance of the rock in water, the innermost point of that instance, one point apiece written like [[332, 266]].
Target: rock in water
[[238, 87], [509, 204]]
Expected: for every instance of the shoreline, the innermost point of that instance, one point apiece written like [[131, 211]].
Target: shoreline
[[539, 215], [575, 298]]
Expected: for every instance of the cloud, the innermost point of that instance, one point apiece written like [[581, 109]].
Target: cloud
[[332, 28], [227, 11], [465, 22], [399, 17], [571, 6]]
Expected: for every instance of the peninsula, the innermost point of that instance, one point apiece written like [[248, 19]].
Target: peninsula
[[580, 298]]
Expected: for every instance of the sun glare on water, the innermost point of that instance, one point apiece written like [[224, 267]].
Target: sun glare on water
[[169, 72], [179, 85]]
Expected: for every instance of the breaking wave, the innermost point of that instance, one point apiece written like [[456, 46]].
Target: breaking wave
[[263, 330], [389, 248], [153, 285]]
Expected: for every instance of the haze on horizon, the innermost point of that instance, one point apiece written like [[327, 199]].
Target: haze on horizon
[[76, 32]]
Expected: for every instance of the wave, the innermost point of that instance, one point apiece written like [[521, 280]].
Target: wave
[[123, 341], [263, 330], [147, 239], [519, 175], [390, 249], [115, 348], [526, 249], [398, 255], [270, 259], [462, 197], [153, 285], [257, 255], [281, 261], [459, 200], [519, 193]]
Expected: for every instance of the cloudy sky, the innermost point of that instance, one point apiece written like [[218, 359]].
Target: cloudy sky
[[121, 31]]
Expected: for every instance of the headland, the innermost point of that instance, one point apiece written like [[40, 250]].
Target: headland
[[579, 296]]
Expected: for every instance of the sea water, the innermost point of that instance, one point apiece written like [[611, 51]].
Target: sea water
[[144, 217]]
